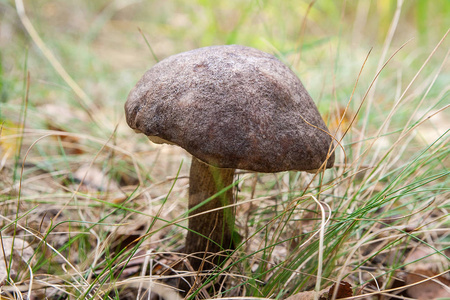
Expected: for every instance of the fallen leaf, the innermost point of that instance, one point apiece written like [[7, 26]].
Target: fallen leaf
[[344, 290], [70, 143], [339, 119], [437, 123], [20, 251], [10, 133], [94, 179], [426, 258], [309, 295], [438, 287]]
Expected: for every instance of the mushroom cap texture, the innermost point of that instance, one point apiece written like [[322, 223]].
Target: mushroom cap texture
[[231, 107]]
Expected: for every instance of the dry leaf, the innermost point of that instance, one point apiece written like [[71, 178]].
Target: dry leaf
[[94, 179], [70, 143], [339, 119], [422, 263], [438, 287], [58, 117], [309, 295], [344, 291], [20, 252], [61, 113], [426, 258], [9, 135], [434, 127]]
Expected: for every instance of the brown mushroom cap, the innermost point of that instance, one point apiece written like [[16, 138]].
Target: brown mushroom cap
[[231, 107]]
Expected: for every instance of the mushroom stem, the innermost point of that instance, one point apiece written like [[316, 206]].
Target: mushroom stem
[[210, 232]]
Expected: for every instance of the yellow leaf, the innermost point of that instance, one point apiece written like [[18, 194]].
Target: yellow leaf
[[10, 134]]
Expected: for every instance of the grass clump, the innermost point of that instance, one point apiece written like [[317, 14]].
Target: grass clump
[[91, 211]]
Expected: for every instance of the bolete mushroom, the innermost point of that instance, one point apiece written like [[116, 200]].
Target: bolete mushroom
[[231, 107]]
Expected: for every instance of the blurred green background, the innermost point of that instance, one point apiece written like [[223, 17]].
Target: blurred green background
[[98, 43]]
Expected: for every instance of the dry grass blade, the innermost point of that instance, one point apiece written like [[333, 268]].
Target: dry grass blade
[[85, 101], [103, 216]]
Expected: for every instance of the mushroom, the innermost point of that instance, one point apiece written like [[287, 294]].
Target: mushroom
[[231, 107]]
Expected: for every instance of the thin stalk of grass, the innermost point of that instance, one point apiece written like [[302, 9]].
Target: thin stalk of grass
[[263, 249], [269, 247], [438, 72], [299, 41], [387, 120], [84, 100], [42, 239], [19, 143], [321, 247], [360, 156], [387, 43], [148, 45], [120, 257], [43, 134], [22, 117], [21, 178], [104, 16]]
